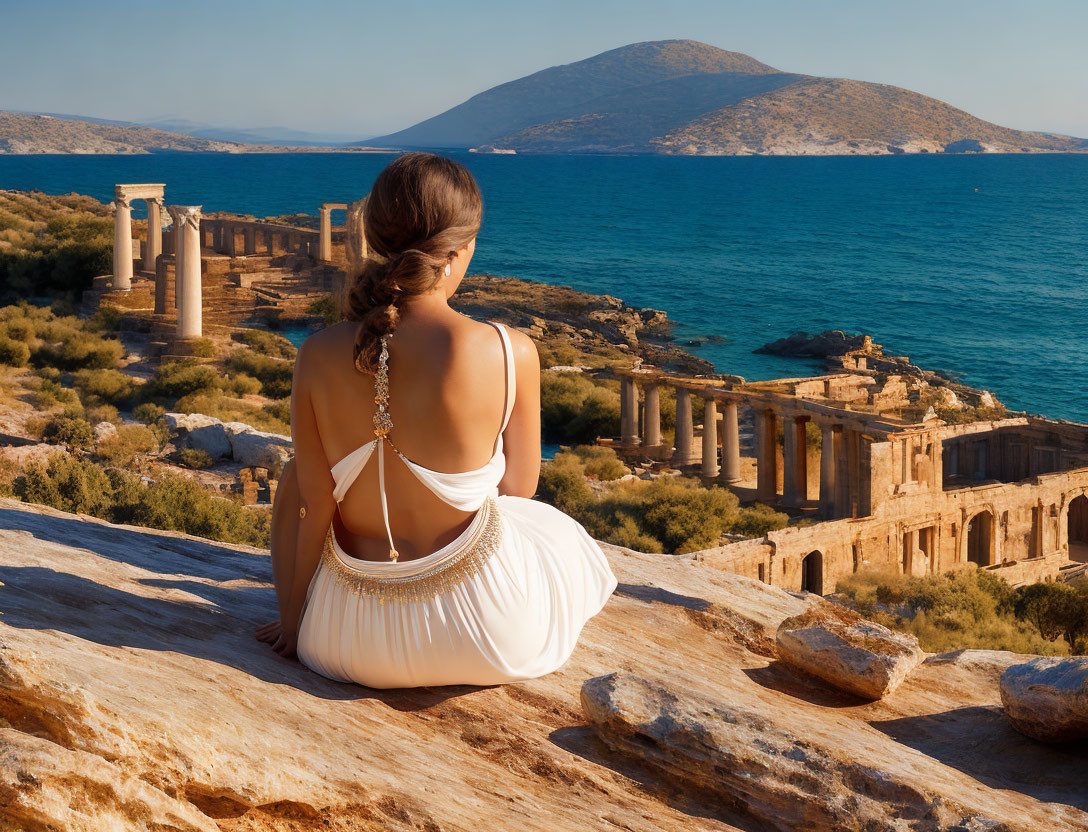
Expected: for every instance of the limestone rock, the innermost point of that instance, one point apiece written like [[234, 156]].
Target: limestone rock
[[200, 432], [104, 431], [258, 448], [1047, 698], [185, 422], [127, 657], [848, 651], [735, 756]]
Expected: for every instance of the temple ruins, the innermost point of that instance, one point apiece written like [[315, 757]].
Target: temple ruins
[[888, 488], [886, 483]]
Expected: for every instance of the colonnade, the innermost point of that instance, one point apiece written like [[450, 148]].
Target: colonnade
[[844, 457], [324, 244], [257, 238]]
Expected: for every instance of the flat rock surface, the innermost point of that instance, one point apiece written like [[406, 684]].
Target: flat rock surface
[[1047, 698], [133, 695], [848, 651]]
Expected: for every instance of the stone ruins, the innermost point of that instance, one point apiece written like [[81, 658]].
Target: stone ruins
[[889, 489], [203, 275]]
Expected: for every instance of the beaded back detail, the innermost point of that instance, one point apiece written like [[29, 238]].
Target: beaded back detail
[[465, 562], [383, 422]]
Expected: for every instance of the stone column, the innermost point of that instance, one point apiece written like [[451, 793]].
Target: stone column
[[730, 444], [250, 237], [154, 234], [767, 456], [628, 411], [830, 442], [189, 298], [795, 462], [324, 248], [685, 431], [710, 438], [651, 416], [122, 244]]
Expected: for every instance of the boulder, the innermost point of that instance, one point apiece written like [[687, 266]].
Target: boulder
[[845, 650], [258, 448], [185, 422], [1047, 698], [104, 431], [199, 432]]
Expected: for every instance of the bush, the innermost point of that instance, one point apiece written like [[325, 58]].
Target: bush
[[267, 343], [13, 353], [274, 374], [195, 458], [110, 386], [51, 393], [101, 413], [78, 350], [600, 462], [1056, 610], [233, 410], [75, 433], [240, 385], [966, 609], [202, 347], [326, 308], [129, 442], [575, 410], [148, 412], [177, 379], [673, 514], [175, 503]]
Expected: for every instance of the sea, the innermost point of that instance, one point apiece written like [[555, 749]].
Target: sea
[[976, 265]]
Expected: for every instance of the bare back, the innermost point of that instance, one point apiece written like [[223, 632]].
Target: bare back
[[447, 383]]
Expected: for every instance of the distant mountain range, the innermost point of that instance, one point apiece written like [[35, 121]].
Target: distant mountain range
[[686, 97], [670, 97], [37, 133]]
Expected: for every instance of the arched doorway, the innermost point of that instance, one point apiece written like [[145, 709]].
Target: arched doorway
[[980, 539], [812, 573], [1078, 529]]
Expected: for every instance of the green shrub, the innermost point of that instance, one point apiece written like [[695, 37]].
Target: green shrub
[[179, 504], [1056, 610], [75, 433], [195, 458], [110, 386], [600, 462], [101, 413], [78, 350], [51, 393], [130, 442], [240, 385], [202, 347], [105, 319], [68, 484], [274, 374], [326, 308], [148, 412], [13, 353], [176, 379], [574, 410], [269, 344]]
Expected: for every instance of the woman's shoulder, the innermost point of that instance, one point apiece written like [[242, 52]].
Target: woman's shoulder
[[319, 345]]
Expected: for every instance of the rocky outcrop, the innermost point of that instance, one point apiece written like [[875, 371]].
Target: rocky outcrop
[[134, 696], [1047, 698], [229, 440], [848, 651]]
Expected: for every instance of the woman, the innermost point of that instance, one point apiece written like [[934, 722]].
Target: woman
[[405, 548]]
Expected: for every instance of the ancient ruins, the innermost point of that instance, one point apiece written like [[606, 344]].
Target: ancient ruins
[[890, 489], [205, 274]]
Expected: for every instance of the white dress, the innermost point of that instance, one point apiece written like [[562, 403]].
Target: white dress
[[514, 588]]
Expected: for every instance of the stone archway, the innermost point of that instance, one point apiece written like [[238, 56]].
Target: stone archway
[[812, 573], [980, 538], [152, 195], [1078, 529]]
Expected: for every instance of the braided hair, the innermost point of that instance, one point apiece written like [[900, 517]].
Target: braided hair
[[421, 210]]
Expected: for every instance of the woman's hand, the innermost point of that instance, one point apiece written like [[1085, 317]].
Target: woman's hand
[[282, 642]]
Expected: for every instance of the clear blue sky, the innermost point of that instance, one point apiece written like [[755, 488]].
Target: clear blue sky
[[364, 68]]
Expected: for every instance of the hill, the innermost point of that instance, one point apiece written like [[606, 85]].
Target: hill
[[23, 133], [685, 97]]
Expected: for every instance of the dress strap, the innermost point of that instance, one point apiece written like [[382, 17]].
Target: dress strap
[[383, 423], [511, 378]]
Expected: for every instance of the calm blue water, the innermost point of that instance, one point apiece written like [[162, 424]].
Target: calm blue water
[[973, 264]]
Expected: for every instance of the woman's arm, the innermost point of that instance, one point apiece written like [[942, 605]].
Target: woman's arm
[[521, 439], [315, 486]]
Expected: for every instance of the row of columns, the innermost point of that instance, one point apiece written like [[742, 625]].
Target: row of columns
[[122, 240], [843, 459]]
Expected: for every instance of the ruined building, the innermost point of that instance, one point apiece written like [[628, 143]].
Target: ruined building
[[891, 485]]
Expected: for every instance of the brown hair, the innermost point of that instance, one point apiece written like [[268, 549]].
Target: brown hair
[[420, 211]]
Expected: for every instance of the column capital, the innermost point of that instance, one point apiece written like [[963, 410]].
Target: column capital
[[185, 215], [122, 202]]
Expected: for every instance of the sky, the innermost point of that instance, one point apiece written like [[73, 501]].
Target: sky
[[358, 69]]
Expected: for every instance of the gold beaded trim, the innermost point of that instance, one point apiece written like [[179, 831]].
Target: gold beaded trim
[[383, 422], [465, 562]]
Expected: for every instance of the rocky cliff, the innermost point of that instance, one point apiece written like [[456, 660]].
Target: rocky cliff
[[134, 696], [685, 97]]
